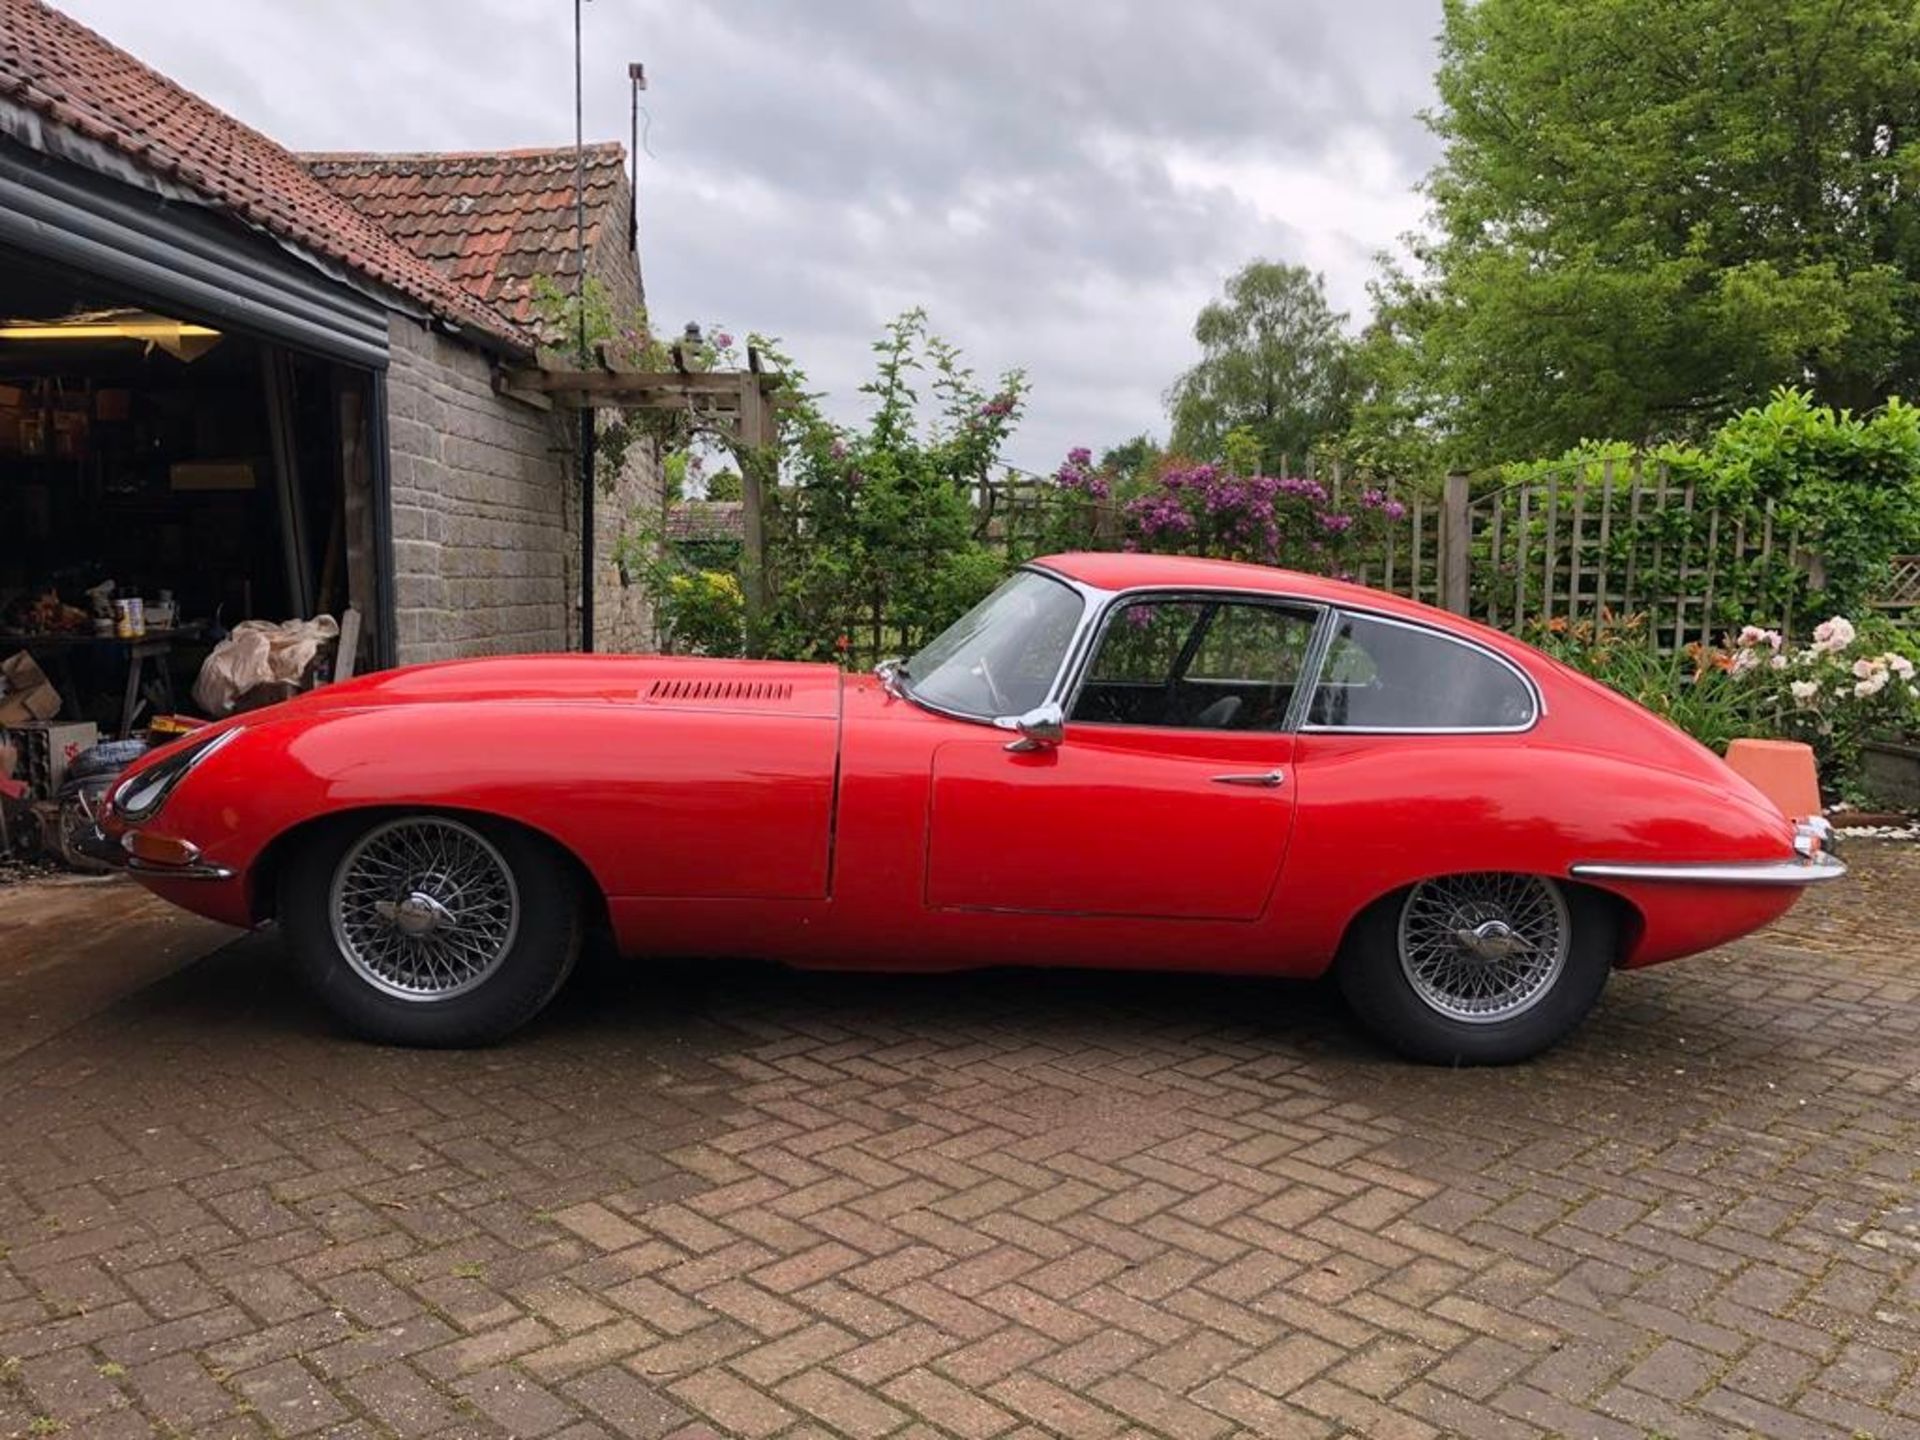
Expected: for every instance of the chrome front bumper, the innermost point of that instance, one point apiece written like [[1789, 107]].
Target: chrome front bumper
[[1814, 862], [95, 842]]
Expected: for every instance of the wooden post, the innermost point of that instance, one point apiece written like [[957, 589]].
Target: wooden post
[[277, 376], [1456, 534], [1553, 547], [758, 439]]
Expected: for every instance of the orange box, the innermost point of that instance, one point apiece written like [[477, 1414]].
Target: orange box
[[1781, 770]]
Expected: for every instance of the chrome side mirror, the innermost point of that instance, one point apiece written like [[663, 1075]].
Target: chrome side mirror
[[1041, 728]]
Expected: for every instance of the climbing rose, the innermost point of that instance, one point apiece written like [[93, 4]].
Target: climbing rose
[[1832, 636]]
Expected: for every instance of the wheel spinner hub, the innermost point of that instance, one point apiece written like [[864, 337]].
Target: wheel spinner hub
[[417, 915]]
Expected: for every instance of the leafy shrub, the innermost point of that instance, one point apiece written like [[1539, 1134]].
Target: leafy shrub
[[1848, 486], [870, 539], [1219, 512], [702, 612], [1849, 684], [1688, 689]]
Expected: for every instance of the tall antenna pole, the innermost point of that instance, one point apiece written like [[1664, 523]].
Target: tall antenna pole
[[579, 188], [637, 74], [587, 434]]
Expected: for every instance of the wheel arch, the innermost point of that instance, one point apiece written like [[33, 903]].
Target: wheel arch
[[265, 874], [1629, 921]]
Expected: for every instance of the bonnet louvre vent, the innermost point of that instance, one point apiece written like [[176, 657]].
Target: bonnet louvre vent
[[751, 690]]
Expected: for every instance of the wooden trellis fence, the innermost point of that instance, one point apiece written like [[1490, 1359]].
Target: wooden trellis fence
[[1625, 537], [1901, 598]]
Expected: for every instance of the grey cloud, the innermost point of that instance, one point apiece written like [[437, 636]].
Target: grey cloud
[[809, 157]]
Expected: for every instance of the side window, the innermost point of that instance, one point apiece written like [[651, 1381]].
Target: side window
[[1197, 664], [1384, 676]]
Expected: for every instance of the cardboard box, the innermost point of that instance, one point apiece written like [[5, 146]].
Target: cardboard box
[[28, 694], [48, 748]]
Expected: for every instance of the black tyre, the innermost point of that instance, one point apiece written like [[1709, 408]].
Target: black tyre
[[1481, 969], [430, 929], [109, 757]]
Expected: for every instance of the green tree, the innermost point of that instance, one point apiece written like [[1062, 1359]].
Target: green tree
[[1134, 460], [870, 535], [1274, 361], [1650, 213]]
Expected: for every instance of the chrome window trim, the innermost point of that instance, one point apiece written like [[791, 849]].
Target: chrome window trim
[[1317, 649], [1093, 609], [1526, 680], [1088, 605], [1098, 603], [1114, 601]]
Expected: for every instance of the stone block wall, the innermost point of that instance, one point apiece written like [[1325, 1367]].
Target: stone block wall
[[622, 616], [486, 504], [481, 519]]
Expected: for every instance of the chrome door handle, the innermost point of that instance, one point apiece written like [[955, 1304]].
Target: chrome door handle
[[1269, 779]]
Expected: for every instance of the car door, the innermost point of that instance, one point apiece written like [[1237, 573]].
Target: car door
[[1172, 793]]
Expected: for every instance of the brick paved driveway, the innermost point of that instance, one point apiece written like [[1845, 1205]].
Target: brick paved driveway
[[768, 1204]]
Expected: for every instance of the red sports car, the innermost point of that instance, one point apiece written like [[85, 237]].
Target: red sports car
[[1112, 760]]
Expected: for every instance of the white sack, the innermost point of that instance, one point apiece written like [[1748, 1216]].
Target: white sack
[[258, 651]]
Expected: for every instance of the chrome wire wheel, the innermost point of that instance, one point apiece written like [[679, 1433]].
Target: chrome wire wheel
[[424, 908], [1484, 948]]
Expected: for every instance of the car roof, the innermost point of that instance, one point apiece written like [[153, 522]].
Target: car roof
[[1126, 570]]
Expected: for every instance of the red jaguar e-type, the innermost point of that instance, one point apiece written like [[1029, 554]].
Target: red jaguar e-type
[[1112, 760]]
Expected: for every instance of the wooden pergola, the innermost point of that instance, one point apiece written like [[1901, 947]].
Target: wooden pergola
[[736, 406]]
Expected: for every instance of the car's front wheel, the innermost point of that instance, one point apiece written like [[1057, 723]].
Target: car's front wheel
[[1478, 969], [430, 929]]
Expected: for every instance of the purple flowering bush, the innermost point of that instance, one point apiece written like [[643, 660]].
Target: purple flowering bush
[[1211, 510]]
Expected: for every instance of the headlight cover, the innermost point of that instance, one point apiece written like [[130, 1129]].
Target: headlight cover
[[140, 796]]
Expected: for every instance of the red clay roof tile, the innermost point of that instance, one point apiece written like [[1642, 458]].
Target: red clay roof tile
[[490, 221], [706, 520]]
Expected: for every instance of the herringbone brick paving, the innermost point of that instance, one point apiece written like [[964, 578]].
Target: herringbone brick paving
[[747, 1202]]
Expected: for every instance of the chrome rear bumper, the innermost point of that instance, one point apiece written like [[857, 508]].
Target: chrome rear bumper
[[1814, 862], [1805, 870]]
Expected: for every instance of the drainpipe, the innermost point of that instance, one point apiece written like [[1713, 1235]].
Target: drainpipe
[[587, 436]]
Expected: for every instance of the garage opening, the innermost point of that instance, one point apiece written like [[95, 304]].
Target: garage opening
[[164, 477]]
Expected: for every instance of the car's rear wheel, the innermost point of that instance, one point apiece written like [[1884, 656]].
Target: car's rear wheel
[[1478, 969], [430, 929]]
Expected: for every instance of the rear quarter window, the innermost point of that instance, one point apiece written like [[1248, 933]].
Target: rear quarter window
[[1386, 675]]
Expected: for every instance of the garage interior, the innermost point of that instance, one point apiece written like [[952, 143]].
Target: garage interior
[[212, 475]]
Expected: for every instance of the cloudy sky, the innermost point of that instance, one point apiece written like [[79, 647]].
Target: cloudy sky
[[1061, 184]]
